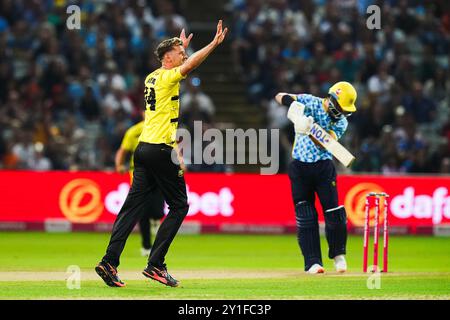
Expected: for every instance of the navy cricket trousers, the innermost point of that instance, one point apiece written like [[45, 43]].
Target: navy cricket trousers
[[319, 177]]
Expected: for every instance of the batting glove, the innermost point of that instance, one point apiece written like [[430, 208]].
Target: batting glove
[[295, 111], [303, 125]]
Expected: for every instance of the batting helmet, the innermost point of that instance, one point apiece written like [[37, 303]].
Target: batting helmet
[[345, 94]]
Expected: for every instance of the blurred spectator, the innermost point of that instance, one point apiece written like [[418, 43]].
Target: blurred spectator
[[348, 62], [194, 113], [381, 84], [169, 23], [89, 106], [23, 149], [38, 161], [194, 95], [445, 166], [10, 160], [117, 99], [421, 107]]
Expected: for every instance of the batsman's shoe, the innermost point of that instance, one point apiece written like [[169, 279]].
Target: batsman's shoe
[[315, 269], [109, 274], [340, 264], [160, 275]]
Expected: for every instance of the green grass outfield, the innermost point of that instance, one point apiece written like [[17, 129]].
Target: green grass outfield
[[33, 266]]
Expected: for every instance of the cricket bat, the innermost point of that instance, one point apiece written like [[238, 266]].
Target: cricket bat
[[328, 142]]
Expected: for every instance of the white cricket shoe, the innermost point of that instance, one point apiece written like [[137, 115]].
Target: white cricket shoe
[[315, 269], [145, 252], [340, 264]]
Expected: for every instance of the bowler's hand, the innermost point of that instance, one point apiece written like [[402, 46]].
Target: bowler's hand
[[184, 39], [220, 34]]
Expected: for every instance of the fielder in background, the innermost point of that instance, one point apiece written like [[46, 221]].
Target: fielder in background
[[149, 222], [312, 171]]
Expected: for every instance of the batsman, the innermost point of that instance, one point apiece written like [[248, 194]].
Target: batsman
[[312, 171]]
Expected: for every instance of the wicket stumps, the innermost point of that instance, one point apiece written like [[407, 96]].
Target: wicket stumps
[[377, 197]]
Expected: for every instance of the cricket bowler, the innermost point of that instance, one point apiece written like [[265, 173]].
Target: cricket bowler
[[153, 165], [312, 171]]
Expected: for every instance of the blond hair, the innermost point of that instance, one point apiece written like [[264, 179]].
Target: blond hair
[[166, 46]]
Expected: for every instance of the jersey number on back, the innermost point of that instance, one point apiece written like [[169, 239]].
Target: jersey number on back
[[150, 98]]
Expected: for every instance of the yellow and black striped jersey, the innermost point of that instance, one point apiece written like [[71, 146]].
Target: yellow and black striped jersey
[[131, 140], [162, 104]]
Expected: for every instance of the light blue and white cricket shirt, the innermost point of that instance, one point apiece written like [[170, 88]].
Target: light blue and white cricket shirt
[[304, 148]]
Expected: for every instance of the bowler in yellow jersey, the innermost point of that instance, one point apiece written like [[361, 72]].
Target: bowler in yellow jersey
[[154, 168], [155, 201]]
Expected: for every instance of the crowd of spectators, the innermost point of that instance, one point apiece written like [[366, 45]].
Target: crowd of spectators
[[401, 72], [67, 96]]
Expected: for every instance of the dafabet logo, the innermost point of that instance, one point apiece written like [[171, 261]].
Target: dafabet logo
[[80, 201], [355, 201], [408, 204]]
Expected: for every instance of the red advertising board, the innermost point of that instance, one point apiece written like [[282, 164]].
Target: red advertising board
[[216, 199]]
